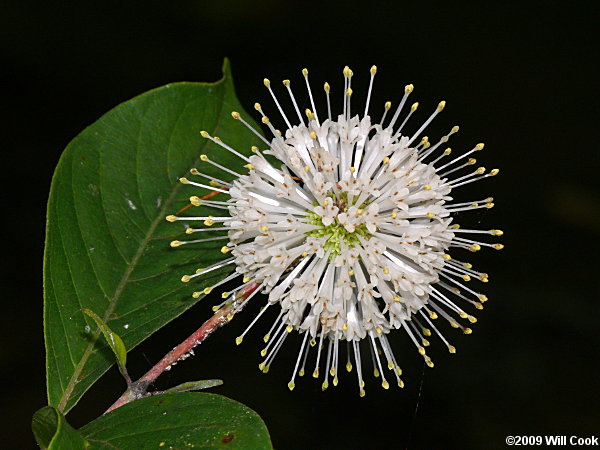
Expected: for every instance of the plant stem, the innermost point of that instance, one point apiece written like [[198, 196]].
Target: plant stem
[[139, 389]]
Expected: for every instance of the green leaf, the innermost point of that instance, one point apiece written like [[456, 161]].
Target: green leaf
[[182, 420], [107, 241], [52, 432], [195, 386], [114, 341]]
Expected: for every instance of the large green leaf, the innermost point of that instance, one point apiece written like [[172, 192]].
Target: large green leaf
[[52, 432], [107, 243], [178, 421]]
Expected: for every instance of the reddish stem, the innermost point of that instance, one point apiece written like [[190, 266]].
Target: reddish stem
[[139, 388]]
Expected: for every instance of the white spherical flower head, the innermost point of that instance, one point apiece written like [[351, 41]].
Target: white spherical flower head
[[348, 233]]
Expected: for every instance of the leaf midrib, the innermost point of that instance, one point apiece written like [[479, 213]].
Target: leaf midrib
[[130, 268]]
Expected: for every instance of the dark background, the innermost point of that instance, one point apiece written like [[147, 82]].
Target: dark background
[[520, 76]]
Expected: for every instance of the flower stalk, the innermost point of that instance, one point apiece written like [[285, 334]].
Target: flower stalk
[[139, 389]]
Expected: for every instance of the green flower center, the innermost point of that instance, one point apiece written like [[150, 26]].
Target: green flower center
[[336, 234]]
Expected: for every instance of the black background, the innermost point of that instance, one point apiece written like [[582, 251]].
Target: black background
[[520, 76]]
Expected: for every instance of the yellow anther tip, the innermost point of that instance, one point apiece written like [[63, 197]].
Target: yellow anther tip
[[494, 172], [373, 70], [467, 331], [326, 87], [480, 146], [291, 385], [225, 294], [235, 115], [427, 187], [421, 350], [441, 105], [238, 340], [362, 393], [185, 278], [249, 166], [414, 107], [313, 135], [305, 72], [225, 249], [455, 129], [265, 120], [171, 218], [204, 134], [385, 384], [452, 349], [196, 295], [257, 106], [175, 243], [203, 158], [316, 373], [498, 246], [286, 83], [266, 82], [183, 180], [388, 105], [207, 291], [408, 88]]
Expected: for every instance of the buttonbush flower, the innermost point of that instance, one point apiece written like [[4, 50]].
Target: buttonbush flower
[[346, 224]]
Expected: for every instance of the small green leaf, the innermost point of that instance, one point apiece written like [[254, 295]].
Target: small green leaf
[[180, 420], [195, 386], [52, 432], [114, 342]]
